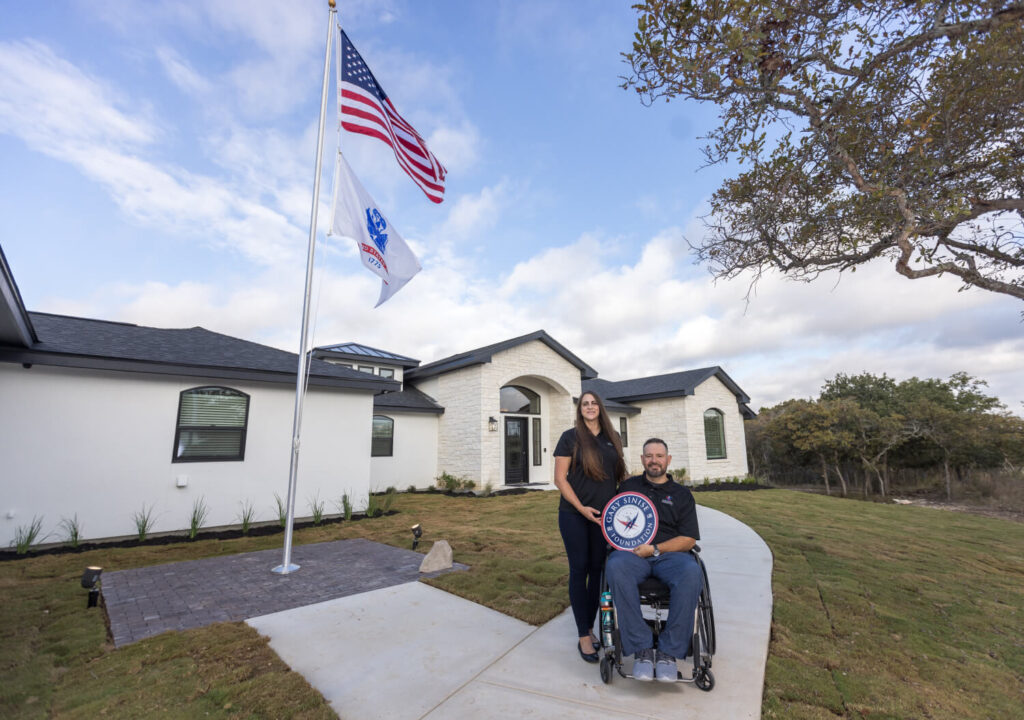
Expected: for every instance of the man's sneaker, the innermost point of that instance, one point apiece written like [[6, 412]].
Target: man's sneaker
[[665, 668], [643, 665]]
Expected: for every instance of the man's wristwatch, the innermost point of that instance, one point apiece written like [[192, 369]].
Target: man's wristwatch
[[656, 552]]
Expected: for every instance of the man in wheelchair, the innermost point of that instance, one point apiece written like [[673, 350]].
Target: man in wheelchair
[[666, 558]]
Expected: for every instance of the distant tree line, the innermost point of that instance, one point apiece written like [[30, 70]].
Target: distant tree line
[[863, 430]]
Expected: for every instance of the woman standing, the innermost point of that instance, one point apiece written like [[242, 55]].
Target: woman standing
[[588, 467]]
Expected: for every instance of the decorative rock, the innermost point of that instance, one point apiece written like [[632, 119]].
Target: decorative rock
[[439, 557]]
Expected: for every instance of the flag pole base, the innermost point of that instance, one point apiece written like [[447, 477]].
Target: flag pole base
[[282, 570]]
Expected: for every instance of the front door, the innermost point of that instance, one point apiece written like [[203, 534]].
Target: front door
[[516, 469]]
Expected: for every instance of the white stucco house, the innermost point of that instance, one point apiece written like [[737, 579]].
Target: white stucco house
[[493, 415], [102, 420]]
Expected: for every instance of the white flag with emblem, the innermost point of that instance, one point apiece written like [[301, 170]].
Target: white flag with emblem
[[381, 248]]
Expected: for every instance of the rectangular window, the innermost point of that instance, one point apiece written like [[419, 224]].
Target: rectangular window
[[714, 434], [623, 432], [386, 372], [382, 443], [366, 369], [536, 441], [211, 425]]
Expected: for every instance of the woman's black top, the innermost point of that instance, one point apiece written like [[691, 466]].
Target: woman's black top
[[592, 493]]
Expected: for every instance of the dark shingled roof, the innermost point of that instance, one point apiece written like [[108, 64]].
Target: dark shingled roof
[[15, 326], [354, 352], [484, 355], [81, 342], [407, 400], [663, 386]]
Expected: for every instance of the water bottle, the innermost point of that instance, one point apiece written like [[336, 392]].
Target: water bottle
[[607, 619]]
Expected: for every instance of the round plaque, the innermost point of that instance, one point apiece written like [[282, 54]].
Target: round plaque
[[629, 521]]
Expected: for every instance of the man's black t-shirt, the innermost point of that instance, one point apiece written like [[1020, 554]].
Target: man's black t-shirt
[[677, 510], [592, 493]]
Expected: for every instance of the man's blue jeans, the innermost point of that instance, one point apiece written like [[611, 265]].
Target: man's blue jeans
[[680, 571]]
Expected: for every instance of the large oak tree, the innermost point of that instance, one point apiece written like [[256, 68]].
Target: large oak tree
[[866, 130]]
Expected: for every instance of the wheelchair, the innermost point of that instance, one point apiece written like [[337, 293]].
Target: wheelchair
[[654, 598]]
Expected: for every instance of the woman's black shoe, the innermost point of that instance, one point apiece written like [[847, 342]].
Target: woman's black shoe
[[589, 657]]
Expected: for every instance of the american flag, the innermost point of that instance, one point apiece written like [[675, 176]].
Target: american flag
[[365, 108]]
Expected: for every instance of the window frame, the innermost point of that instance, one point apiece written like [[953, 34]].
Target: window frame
[[525, 392], [715, 414], [535, 431], [623, 431], [390, 373], [391, 439], [368, 369], [242, 431]]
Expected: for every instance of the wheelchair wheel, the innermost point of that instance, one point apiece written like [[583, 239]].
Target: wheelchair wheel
[[704, 680], [707, 613], [606, 668]]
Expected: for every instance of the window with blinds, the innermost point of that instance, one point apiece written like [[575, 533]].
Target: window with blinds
[[714, 434], [211, 426], [623, 432], [383, 442]]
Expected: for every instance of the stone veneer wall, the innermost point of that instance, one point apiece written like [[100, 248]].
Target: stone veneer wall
[[555, 379], [471, 395], [680, 422], [713, 394], [664, 418]]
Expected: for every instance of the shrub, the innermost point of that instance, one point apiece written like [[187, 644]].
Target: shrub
[[144, 521], [678, 474], [27, 535], [282, 510], [389, 500], [316, 509], [72, 530], [198, 517], [373, 508], [246, 516]]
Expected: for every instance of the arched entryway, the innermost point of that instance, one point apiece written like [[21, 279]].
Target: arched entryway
[[521, 426]]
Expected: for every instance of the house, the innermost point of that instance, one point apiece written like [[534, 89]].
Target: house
[[106, 421], [493, 415]]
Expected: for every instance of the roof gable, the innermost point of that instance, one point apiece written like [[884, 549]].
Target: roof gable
[[486, 353], [675, 384]]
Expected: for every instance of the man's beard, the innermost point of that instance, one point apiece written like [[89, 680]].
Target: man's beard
[[656, 473]]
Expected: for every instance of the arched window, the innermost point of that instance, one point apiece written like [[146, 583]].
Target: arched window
[[714, 433], [383, 442], [211, 425], [520, 400]]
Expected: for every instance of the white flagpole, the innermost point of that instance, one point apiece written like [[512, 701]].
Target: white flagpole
[[286, 565]]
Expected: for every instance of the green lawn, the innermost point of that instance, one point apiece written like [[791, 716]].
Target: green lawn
[[880, 611]]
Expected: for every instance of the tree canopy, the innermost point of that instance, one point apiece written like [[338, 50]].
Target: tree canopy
[[889, 129], [872, 425]]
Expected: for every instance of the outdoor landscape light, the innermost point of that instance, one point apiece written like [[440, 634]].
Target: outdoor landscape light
[[91, 582], [417, 533], [492, 423]]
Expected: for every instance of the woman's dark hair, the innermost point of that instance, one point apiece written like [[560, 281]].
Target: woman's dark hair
[[587, 451]]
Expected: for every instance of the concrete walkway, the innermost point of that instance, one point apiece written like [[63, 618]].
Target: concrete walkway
[[411, 651]]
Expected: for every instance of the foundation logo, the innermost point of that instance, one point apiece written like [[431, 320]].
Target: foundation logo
[[629, 521]]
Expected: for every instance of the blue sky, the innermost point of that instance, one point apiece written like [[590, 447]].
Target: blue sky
[[158, 169]]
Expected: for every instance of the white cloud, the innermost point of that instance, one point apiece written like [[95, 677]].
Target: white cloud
[[182, 74]]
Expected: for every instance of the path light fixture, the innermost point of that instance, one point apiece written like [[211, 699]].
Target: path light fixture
[[417, 533], [91, 582], [492, 423]]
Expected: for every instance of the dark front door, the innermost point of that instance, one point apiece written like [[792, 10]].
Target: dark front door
[[516, 469]]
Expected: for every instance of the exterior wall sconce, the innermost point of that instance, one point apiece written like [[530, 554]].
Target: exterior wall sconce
[[91, 582], [492, 424]]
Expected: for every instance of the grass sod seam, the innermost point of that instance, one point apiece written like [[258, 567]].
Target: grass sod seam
[[927, 626]]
